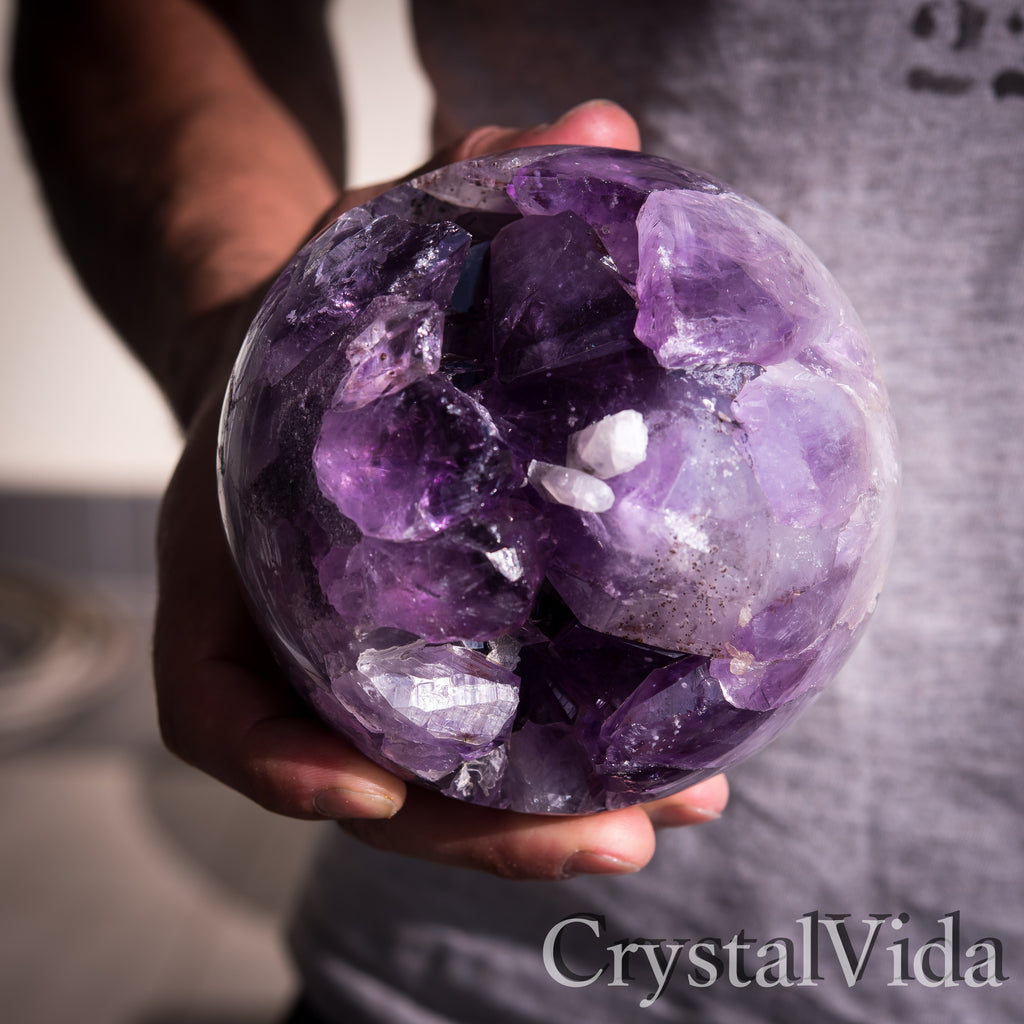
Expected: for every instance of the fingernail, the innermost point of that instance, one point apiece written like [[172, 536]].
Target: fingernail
[[573, 111], [340, 803], [710, 813], [586, 862], [682, 814]]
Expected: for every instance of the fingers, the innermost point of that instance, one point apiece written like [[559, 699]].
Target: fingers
[[224, 708], [223, 705], [537, 846], [702, 803], [594, 123], [235, 726], [510, 845]]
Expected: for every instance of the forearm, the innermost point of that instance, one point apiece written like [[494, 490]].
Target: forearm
[[177, 179]]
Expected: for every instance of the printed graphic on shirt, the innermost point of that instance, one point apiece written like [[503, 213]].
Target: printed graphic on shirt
[[965, 45]]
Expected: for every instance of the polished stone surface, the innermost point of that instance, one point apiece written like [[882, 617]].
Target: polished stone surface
[[560, 479]]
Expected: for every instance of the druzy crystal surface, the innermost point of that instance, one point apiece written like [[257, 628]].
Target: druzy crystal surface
[[559, 479]]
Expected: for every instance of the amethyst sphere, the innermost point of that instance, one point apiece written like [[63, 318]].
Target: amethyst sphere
[[560, 479]]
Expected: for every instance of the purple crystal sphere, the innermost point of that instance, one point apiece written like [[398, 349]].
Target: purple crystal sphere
[[559, 479]]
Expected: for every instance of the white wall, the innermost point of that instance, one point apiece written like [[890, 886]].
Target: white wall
[[76, 412]]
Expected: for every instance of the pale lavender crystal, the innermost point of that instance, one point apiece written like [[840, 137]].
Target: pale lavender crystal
[[559, 479], [399, 343], [694, 502], [452, 693], [719, 282], [440, 706], [807, 440]]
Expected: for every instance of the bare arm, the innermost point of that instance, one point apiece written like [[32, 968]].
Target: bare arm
[[177, 179], [184, 161]]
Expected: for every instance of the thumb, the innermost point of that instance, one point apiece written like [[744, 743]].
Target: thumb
[[594, 123]]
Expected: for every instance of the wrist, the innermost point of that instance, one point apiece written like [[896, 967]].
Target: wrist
[[195, 371]]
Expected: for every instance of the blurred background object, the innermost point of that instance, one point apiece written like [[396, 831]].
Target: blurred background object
[[135, 890]]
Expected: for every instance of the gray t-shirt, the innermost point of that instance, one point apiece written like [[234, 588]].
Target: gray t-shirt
[[890, 135]]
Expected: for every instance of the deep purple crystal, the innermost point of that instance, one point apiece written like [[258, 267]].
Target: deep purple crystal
[[560, 479]]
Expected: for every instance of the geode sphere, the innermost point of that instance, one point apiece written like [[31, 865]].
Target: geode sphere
[[560, 479]]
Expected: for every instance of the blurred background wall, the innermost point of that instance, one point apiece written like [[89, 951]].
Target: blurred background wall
[[133, 889], [76, 412]]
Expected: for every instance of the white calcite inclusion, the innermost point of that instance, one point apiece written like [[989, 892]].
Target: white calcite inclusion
[[611, 446], [572, 487], [507, 562]]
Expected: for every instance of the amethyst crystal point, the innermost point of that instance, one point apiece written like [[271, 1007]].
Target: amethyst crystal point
[[400, 343], [718, 284], [412, 463], [608, 197], [556, 297], [475, 581], [558, 479]]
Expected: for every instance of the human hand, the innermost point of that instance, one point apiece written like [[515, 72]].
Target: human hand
[[226, 708]]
